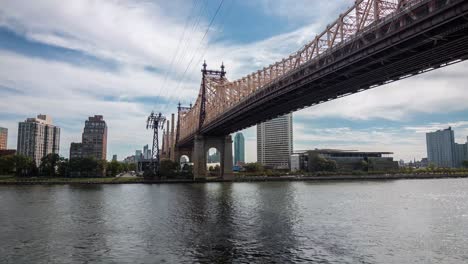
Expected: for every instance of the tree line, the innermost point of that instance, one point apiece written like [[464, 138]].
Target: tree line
[[52, 165]]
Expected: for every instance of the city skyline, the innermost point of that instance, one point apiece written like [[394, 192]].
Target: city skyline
[[124, 81]]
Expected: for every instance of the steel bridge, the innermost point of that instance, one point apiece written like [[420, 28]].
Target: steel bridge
[[373, 43]]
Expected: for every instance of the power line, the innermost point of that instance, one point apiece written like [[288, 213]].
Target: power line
[[201, 42], [187, 43], [206, 47], [169, 70]]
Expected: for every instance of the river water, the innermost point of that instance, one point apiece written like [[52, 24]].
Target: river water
[[402, 221]]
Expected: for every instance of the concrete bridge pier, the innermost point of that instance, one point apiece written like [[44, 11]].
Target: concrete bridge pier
[[200, 149]]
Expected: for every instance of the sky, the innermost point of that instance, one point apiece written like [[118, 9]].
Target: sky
[[124, 58]]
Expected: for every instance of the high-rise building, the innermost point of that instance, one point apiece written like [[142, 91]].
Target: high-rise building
[[239, 149], [114, 157], [138, 155], [3, 138], [146, 152], [94, 140], [37, 137], [275, 142], [442, 150]]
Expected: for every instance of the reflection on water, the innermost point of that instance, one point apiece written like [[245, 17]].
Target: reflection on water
[[407, 221]]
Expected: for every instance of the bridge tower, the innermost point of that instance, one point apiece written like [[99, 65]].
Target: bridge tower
[[202, 143]]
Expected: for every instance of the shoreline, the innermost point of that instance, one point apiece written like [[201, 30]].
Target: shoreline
[[95, 181]]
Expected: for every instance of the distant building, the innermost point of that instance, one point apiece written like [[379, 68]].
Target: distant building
[[401, 163], [114, 158], [76, 150], [146, 152], [346, 160], [95, 137], [460, 154], [275, 142], [130, 159], [138, 155], [440, 147], [214, 157], [424, 163], [239, 149], [149, 154], [37, 137], [3, 138], [442, 150], [93, 141]]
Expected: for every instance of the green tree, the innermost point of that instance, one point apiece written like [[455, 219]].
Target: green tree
[[24, 166], [132, 167], [318, 163], [465, 163], [168, 168], [87, 167], [7, 164], [114, 167], [63, 167], [49, 164], [363, 165], [253, 167]]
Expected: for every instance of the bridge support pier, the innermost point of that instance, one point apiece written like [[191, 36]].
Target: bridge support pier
[[200, 149]]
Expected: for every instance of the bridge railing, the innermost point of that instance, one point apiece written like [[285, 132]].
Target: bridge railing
[[222, 94]]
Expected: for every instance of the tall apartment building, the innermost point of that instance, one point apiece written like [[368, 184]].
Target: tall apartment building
[[3, 138], [146, 152], [94, 140], [239, 149], [442, 150], [275, 142], [37, 137], [440, 147]]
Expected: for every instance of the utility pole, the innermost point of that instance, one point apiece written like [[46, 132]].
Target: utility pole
[[156, 123]]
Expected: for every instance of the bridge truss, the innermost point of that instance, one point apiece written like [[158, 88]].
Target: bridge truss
[[366, 21]]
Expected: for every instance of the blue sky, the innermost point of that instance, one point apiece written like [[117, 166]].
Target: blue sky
[[124, 58]]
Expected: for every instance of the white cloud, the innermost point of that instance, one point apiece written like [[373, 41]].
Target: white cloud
[[304, 10], [139, 33]]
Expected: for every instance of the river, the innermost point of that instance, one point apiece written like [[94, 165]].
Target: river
[[401, 221]]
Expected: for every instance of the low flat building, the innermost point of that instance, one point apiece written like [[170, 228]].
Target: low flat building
[[346, 160]]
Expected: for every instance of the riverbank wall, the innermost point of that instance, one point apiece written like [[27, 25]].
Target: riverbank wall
[[370, 177]]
